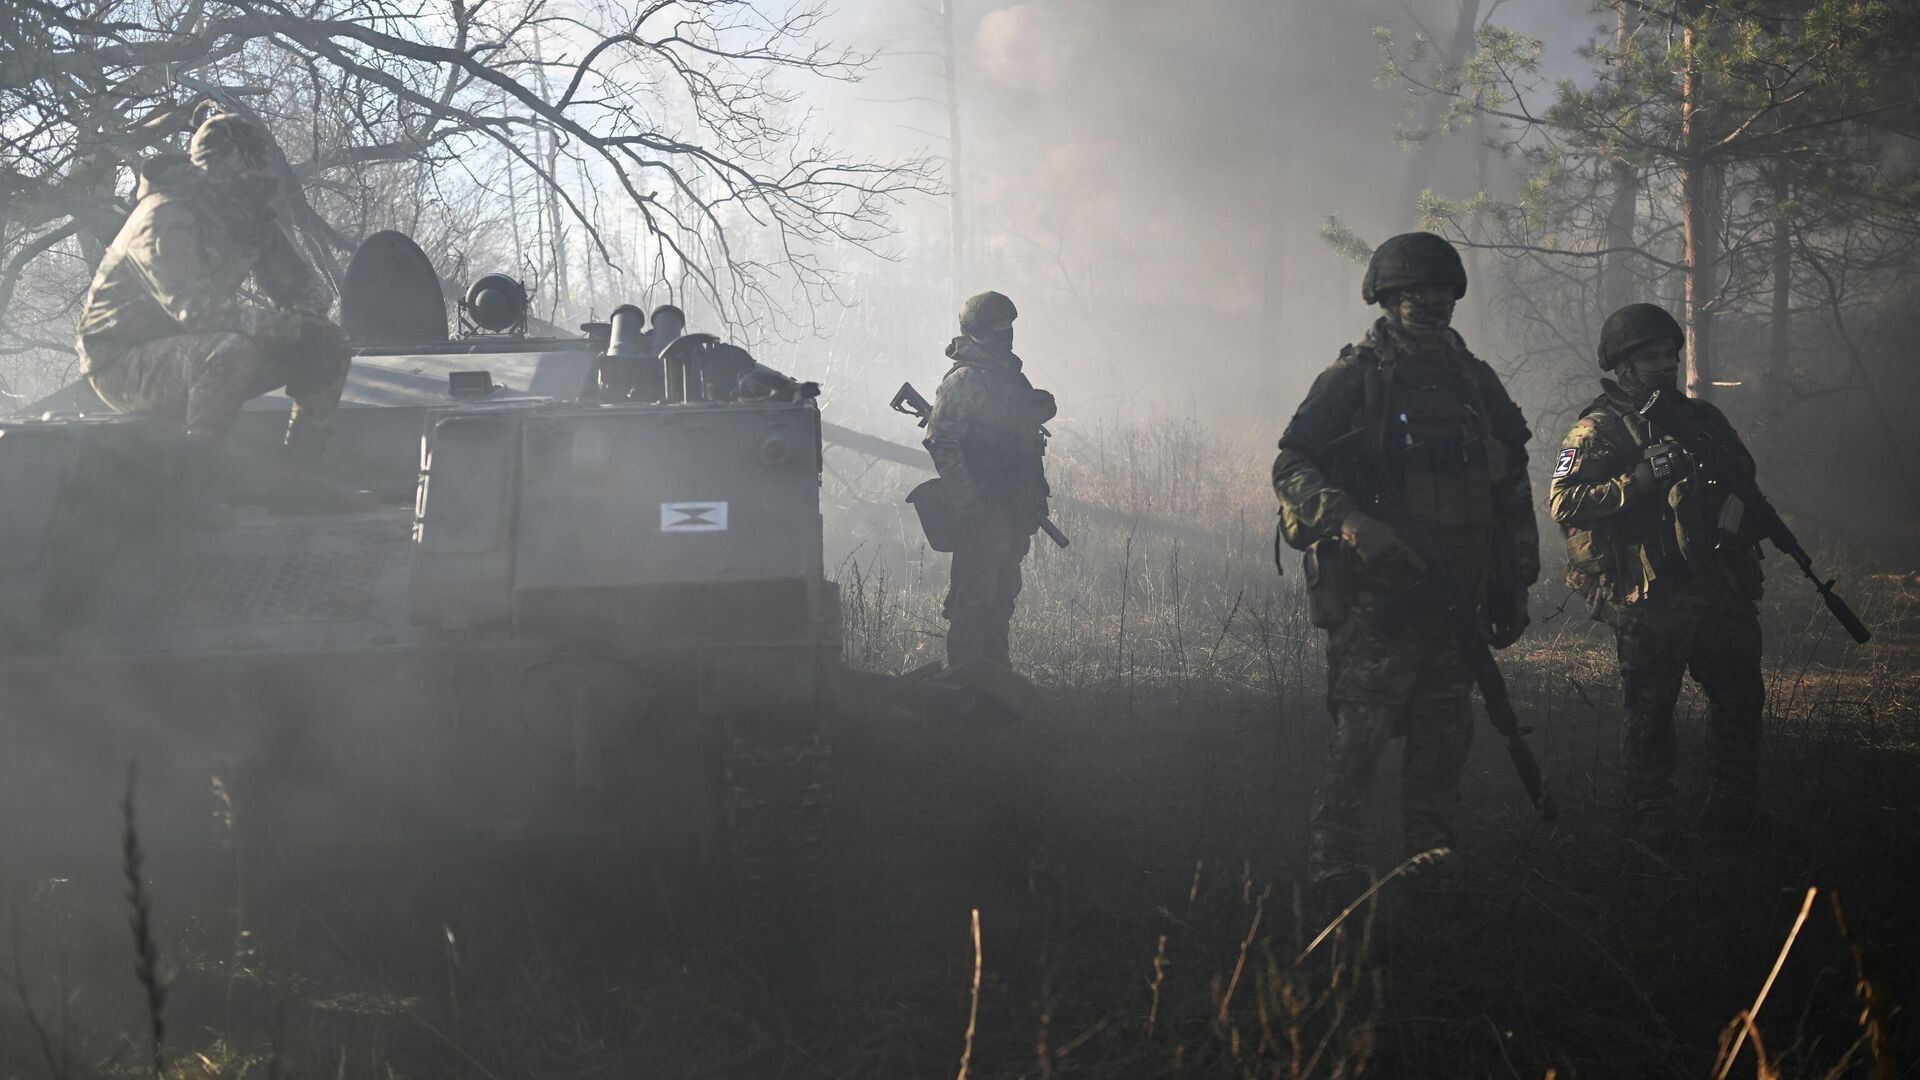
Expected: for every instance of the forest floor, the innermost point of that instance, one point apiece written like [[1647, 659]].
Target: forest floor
[[1134, 857], [1133, 852]]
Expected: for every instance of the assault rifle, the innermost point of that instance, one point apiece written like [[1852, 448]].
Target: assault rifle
[[910, 402], [1469, 632], [1465, 622], [1721, 465]]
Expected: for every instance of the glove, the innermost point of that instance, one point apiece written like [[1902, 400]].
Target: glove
[[1373, 539], [1503, 633], [1664, 463], [275, 327]]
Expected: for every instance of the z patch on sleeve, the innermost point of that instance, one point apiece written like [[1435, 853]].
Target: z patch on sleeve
[[1569, 458]]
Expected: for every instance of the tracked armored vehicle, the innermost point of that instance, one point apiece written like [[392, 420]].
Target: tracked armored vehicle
[[570, 618]]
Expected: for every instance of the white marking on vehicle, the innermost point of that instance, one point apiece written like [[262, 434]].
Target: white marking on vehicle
[[693, 517]]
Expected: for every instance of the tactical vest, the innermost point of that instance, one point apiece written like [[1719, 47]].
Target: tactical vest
[[1621, 556], [1433, 440]]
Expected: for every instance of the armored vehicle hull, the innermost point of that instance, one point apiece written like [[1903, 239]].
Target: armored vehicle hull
[[569, 620]]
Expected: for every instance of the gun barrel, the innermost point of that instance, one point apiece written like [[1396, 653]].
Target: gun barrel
[[1053, 532], [1661, 410], [1531, 778], [1844, 615]]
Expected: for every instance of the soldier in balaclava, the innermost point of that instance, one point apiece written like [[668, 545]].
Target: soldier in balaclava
[[1658, 554], [986, 441], [165, 331], [1406, 426]]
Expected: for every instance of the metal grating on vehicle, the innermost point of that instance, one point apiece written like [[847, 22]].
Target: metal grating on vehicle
[[322, 586], [201, 588]]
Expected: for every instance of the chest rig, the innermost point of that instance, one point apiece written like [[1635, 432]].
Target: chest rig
[[1649, 540], [1432, 438]]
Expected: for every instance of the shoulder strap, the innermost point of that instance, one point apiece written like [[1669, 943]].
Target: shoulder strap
[[1638, 432], [1380, 383], [1465, 360]]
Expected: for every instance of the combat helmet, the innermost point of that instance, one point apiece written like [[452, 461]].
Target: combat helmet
[[1417, 258], [986, 310], [1633, 326], [228, 142]]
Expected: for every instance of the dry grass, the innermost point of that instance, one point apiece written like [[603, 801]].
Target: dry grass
[[1133, 856]]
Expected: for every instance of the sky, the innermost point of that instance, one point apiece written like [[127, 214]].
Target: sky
[[1119, 174]]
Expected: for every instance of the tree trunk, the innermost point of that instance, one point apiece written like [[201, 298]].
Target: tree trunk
[[556, 223], [1616, 271], [1482, 179], [1273, 252], [1466, 17], [1779, 351], [1696, 208], [956, 199]]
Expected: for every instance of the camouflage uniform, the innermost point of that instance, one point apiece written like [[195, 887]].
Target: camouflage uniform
[[1393, 668], [985, 440], [1647, 558], [163, 331]]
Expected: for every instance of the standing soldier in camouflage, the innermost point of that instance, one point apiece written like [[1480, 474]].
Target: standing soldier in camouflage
[[1650, 547], [1407, 425], [164, 331], [986, 441]]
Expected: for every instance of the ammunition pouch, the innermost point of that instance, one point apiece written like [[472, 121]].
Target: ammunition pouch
[[1293, 531], [1328, 567], [938, 521]]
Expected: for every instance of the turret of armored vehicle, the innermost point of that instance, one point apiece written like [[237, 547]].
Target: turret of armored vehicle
[[570, 618]]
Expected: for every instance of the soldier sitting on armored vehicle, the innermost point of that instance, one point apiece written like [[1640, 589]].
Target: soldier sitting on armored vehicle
[[163, 330]]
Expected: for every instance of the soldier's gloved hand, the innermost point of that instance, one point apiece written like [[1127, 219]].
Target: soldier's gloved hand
[[1373, 539], [275, 327], [1503, 632], [1641, 481], [1664, 463]]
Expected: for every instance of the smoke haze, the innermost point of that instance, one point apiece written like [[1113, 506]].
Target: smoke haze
[[1148, 180]]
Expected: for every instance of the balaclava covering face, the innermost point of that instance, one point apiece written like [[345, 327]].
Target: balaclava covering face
[[1422, 311], [232, 152], [1650, 368]]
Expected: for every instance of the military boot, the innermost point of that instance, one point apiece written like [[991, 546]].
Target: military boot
[[965, 641], [997, 647], [301, 487], [197, 503]]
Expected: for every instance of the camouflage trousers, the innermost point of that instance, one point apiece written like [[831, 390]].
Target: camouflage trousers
[[204, 378], [1712, 632], [1389, 677], [983, 588]]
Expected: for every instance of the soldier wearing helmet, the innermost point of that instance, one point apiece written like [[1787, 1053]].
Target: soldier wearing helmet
[[1407, 421], [164, 331], [987, 443], [1655, 550]]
